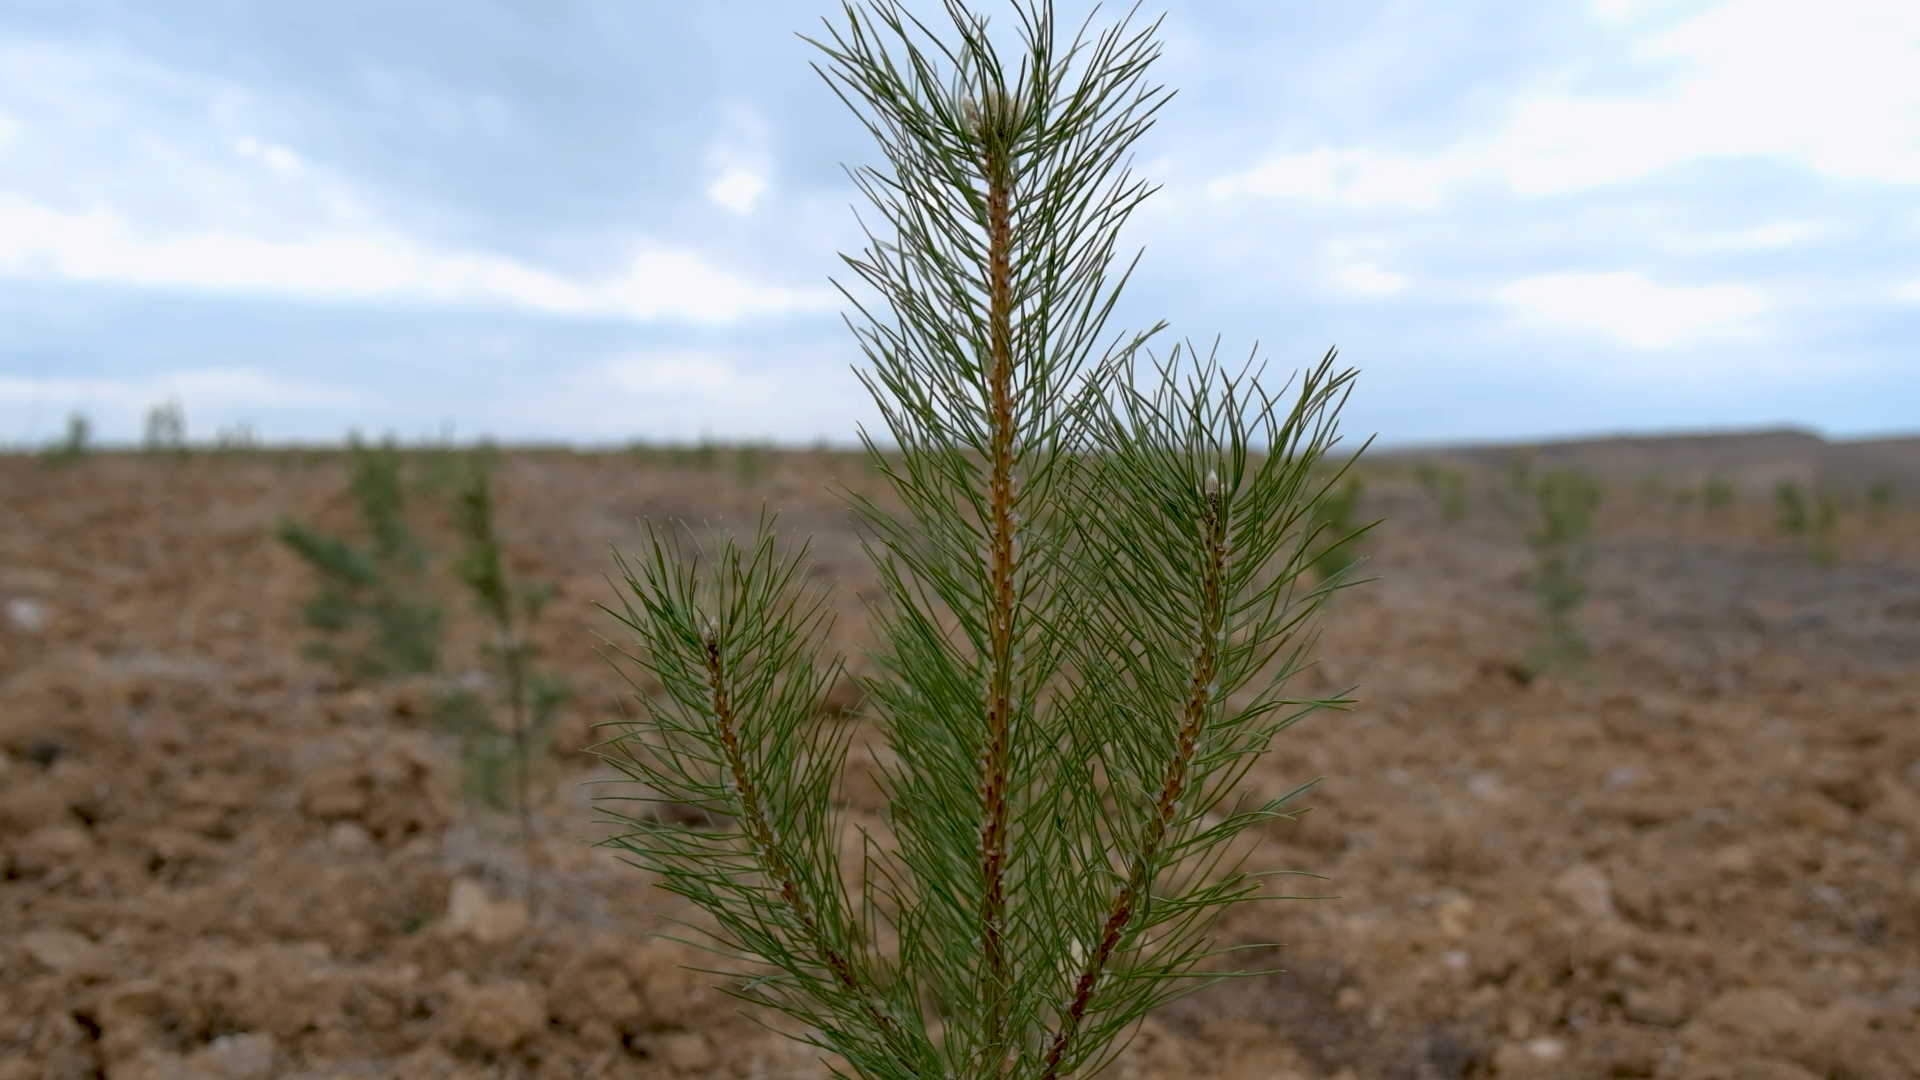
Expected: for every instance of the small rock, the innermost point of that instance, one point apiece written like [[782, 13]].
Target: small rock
[[596, 998], [473, 913], [27, 615], [50, 846], [1454, 916], [342, 791], [1585, 886], [1812, 810], [673, 994], [688, 1051], [1546, 1048], [1768, 1069], [1657, 1007], [495, 1016], [349, 838], [129, 1022], [247, 1056], [65, 952], [1734, 860]]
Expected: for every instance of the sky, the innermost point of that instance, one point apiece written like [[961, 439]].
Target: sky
[[606, 221]]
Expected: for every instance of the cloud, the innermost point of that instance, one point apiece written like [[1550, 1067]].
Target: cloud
[[1827, 88], [740, 159], [212, 388], [738, 190], [697, 373], [1628, 306], [100, 246], [7, 128], [277, 158], [1777, 234]]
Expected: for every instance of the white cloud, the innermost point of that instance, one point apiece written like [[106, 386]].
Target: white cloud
[[98, 245], [1776, 234], [1632, 308], [738, 189], [1909, 291], [1352, 267], [7, 129], [1363, 277], [209, 388], [1354, 177], [278, 158], [1828, 87], [698, 373], [739, 159]]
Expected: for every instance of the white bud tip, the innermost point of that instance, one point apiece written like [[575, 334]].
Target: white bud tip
[[1212, 486]]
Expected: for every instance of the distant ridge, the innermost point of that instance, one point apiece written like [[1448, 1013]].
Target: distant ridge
[[1752, 460]]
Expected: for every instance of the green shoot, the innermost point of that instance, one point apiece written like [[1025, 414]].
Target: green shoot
[[531, 698], [374, 622], [75, 444], [166, 428], [1561, 542]]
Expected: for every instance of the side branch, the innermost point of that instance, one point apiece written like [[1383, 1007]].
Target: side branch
[[1199, 695], [763, 838]]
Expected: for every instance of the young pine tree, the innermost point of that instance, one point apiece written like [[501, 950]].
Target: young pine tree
[[371, 610], [1096, 591], [1562, 543], [530, 698]]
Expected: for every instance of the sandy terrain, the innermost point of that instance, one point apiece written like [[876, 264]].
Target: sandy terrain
[[1695, 859]]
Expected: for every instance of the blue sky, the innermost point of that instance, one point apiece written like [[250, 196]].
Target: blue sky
[[603, 221]]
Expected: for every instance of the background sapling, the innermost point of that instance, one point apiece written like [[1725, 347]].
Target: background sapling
[[492, 754], [1561, 540], [372, 609]]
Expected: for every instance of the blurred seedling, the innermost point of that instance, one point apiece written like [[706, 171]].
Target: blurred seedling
[[1879, 501], [750, 464], [1514, 494], [1823, 549], [166, 428], [1561, 539], [1790, 513], [236, 439], [1331, 524], [373, 619], [1446, 487], [498, 761], [1718, 494], [74, 444]]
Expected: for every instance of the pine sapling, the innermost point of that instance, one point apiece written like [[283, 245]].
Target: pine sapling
[[1446, 487], [1562, 544], [371, 594], [531, 698], [1822, 547], [1096, 585], [75, 444], [1719, 494], [1790, 514], [1879, 501], [166, 428]]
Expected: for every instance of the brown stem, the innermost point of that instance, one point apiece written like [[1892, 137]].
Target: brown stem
[[1206, 667], [763, 838], [512, 654], [993, 833]]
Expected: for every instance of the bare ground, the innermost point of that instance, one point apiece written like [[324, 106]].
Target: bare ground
[[1695, 858]]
